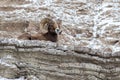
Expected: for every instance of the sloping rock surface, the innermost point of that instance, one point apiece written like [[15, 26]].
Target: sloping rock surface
[[39, 60]]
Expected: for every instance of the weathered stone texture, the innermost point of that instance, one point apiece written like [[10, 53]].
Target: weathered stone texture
[[44, 60], [89, 47]]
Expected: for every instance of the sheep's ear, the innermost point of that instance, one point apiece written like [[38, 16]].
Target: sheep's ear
[[59, 22]]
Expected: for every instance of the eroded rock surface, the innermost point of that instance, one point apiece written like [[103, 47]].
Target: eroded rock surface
[[88, 47], [41, 60], [88, 23]]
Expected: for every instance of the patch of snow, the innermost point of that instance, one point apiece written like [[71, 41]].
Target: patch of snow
[[5, 61], [2, 62], [94, 44], [48, 2], [115, 49]]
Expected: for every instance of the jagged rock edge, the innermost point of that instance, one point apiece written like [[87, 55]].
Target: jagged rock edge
[[15, 44], [50, 48]]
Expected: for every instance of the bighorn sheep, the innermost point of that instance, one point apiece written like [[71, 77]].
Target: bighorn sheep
[[49, 29]]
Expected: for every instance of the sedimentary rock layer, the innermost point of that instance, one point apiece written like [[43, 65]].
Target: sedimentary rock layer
[[44, 60]]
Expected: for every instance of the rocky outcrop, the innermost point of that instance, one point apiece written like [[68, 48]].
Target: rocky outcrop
[[39, 60], [89, 46], [89, 23]]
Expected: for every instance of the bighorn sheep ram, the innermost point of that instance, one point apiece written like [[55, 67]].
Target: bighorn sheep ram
[[50, 29]]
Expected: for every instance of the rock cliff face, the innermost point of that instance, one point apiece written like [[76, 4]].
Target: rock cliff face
[[88, 47], [39, 60]]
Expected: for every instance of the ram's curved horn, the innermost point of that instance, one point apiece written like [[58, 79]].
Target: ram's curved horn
[[44, 24]]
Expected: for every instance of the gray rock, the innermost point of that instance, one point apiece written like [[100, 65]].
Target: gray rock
[[48, 62]]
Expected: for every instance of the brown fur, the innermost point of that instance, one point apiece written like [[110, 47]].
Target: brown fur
[[25, 36], [47, 37], [50, 35]]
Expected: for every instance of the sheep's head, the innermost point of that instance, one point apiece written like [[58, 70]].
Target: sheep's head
[[49, 25]]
